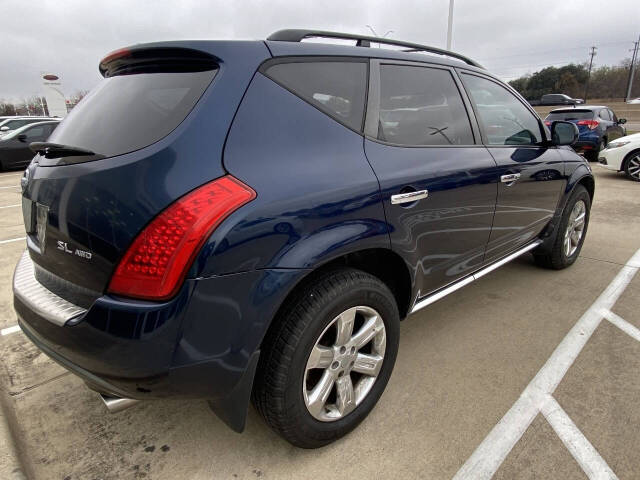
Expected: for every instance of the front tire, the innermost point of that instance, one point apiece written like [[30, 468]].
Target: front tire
[[570, 234], [632, 166], [328, 358]]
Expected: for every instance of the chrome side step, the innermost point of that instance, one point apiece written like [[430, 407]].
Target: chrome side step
[[117, 404], [471, 278]]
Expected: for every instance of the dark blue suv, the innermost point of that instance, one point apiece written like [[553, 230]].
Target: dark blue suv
[[597, 126], [237, 220]]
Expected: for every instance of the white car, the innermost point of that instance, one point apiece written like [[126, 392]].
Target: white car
[[634, 101], [623, 155]]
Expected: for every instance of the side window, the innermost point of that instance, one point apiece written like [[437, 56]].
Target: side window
[[421, 106], [337, 88], [613, 116], [505, 120], [604, 114], [35, 132]]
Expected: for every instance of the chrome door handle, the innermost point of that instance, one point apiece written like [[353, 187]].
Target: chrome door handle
[[409, 197], [510, 178]]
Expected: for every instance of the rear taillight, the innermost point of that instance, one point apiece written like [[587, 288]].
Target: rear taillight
[[155, 264], [592, 124], [547, 123]]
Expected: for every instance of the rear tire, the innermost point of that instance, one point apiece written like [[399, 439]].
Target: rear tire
[[570, 234], [305, 347], [632, 166]]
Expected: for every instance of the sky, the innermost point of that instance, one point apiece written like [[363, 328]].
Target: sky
[[508, 37]]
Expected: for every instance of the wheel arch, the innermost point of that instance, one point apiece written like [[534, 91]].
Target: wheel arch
[[383, 263]]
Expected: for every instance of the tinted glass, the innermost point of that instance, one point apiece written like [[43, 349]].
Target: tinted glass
[[569, 115], [613, 116], [421, 106], [505, 120], [37, 132], [604, 114], [129, 112], [336, 88]]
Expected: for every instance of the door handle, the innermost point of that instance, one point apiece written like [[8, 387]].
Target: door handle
[[510, 178], [409, 197]]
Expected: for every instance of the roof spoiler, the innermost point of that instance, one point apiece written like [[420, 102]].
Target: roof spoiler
[[297, 35], [127, 61]]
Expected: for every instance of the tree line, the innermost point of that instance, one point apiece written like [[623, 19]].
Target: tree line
[[606, 82], [35, 105]]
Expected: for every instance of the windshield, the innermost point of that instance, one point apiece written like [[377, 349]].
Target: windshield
[[572, 114], [128, 112]]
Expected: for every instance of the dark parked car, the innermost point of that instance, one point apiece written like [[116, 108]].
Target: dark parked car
[[227, 220], [14, 146], [8, 124], [598, 126], [557, 99]]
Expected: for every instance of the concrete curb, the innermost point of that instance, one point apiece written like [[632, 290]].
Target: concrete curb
[[10, 464]]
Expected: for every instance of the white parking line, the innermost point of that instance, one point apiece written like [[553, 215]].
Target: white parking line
[[12, 240], [585, 454], [10, 206], [622, 324], [10, 330], [490, 454]]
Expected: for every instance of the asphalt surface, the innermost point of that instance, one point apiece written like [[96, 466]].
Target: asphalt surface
[[463, 364]]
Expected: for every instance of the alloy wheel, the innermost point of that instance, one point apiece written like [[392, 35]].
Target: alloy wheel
[[344, 363], [633, 168], [575, 228]]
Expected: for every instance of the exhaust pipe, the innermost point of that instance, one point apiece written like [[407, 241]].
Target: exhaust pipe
[[117, 404]]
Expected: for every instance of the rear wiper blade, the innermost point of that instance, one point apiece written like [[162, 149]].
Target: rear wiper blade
[[55, 150]]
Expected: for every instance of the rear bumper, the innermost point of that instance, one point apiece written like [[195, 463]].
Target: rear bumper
[[204, 343]]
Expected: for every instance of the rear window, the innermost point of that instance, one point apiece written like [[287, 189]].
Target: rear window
[[572, 114], [337, 88], [128, 112]]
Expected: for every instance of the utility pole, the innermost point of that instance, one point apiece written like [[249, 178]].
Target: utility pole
[[632, 69], [450, 27], [586, 87]]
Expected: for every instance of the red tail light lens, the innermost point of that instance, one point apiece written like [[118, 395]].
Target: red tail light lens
[[155, 264], [592, 124], [547, 123]]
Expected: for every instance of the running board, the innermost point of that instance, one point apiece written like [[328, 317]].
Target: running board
[[474, 276]]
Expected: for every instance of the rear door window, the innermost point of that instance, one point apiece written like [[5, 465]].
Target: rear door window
[[125, 113], [504, 118], [338, 88], [604, 114], [421, 106]]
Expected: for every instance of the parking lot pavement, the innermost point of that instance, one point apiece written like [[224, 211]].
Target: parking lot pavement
[[463, 363]]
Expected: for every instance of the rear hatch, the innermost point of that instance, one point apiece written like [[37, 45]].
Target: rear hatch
[[142, 138], [583, 118]]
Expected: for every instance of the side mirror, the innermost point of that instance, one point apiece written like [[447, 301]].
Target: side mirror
[[564, 133], [622, 121], [22, 137], [4, 129]]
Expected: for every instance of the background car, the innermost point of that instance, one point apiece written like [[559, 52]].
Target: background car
[[556, 99], [598, 126], [623, 155], [13, 123], [14, 147], [634, 101]]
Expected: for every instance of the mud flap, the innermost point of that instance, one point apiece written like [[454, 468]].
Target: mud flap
[[232, 409]]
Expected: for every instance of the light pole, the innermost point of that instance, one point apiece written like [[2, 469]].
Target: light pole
[[450, 27]]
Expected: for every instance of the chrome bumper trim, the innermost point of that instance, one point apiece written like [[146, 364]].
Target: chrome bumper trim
[[421, 303], [38, 298]]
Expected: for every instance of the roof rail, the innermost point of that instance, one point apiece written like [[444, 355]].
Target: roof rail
[[297, 35]]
